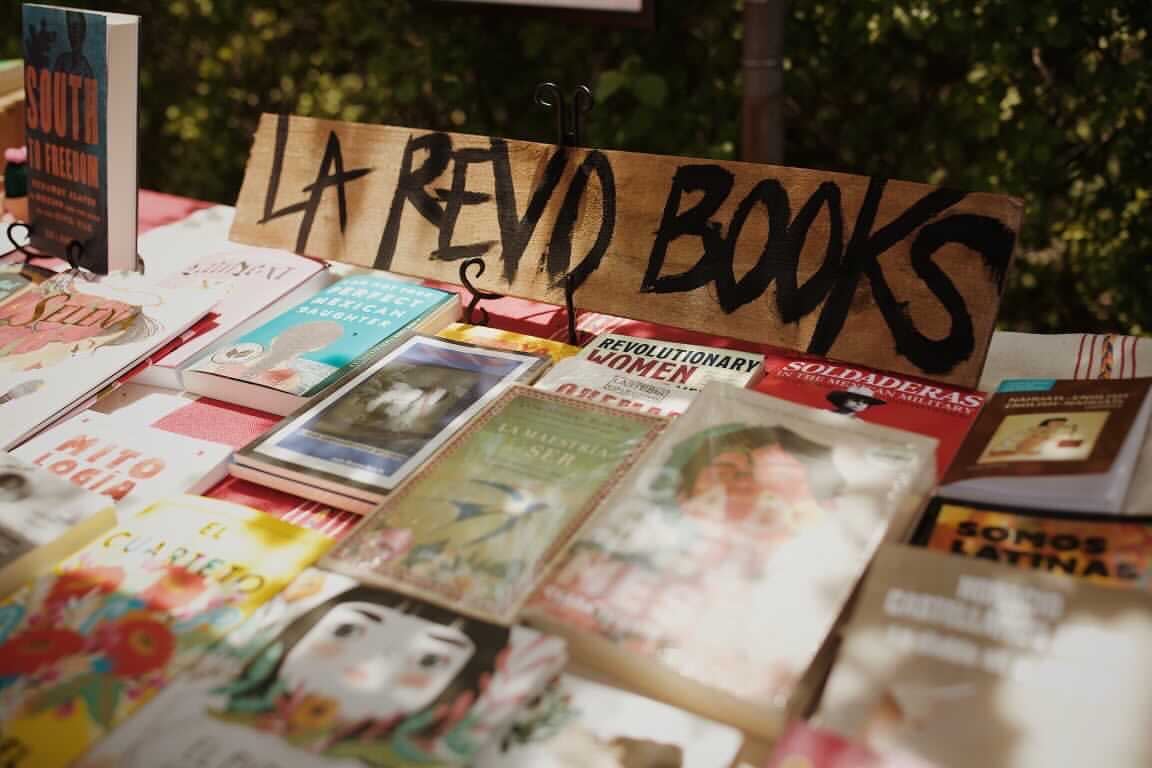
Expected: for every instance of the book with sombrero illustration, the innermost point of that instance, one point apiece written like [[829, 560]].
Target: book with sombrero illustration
[[926, 407], [1054, 444], [713, 574], [969, 664]]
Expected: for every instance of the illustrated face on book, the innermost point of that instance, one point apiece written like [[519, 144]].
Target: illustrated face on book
[[377, 664], [761, 477], [340, 679]]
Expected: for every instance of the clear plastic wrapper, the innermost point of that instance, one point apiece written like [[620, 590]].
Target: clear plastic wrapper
[[716, 570]]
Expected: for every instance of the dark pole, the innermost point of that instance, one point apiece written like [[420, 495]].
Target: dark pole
[[762, 132]]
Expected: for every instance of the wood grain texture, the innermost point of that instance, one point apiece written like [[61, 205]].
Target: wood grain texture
[[894, 275]]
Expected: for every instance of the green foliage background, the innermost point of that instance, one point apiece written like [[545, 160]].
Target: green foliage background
[[1047, 100]]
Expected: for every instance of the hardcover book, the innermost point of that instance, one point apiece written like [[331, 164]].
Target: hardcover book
[[248, 284], [64, 340], [1106, 549], [964, 663], [84, 647], [130, 466], [43, 519], [376, 428], [495, 338], [717, 569], [81, 79], [656, 377], [478, 526], [333, 673], [576, 722], [1062, 445], [929, 408], [278, 366]]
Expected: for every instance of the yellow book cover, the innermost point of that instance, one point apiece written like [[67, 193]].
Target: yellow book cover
[[483, 336], [84, 647]]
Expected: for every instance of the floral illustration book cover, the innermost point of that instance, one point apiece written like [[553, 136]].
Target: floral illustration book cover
[[476, 528], [81, 649], [335, 673]]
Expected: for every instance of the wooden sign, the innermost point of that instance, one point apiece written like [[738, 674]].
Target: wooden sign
[[888, 274]]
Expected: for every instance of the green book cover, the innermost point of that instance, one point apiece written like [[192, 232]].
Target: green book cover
[[478, 527]]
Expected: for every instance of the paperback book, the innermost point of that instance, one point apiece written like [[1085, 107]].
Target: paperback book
[[656, 377], [130, 466], [334, 673], [750, 518], [64, 341], [482, 521], [485, 336], [81, 78], [278, 366], [248, 285], [1047, 444], [85, 646], [929, 408], [365, 436], [576, 722], [43, 520], [965, 663], [1106, 549]]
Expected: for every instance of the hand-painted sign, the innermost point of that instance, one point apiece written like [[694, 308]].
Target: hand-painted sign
[[890, 274]]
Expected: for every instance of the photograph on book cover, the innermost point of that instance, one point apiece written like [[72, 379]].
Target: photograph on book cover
[[377, 425], [1045, 437]]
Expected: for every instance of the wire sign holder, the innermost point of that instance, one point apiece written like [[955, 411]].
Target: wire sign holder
[[569, 133]]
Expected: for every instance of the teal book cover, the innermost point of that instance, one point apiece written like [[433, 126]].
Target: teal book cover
[[301, 350]]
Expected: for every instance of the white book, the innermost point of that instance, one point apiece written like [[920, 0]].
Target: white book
[[63, 341], [128, 464], [656, 377], [250, 285]]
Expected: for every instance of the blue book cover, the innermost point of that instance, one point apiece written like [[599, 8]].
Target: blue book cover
[[67, 126], [305, 348]]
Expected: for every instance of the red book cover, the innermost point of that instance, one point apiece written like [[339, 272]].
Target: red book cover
[[927, 408]]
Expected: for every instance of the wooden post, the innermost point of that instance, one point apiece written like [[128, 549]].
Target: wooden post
[[762, 134]]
